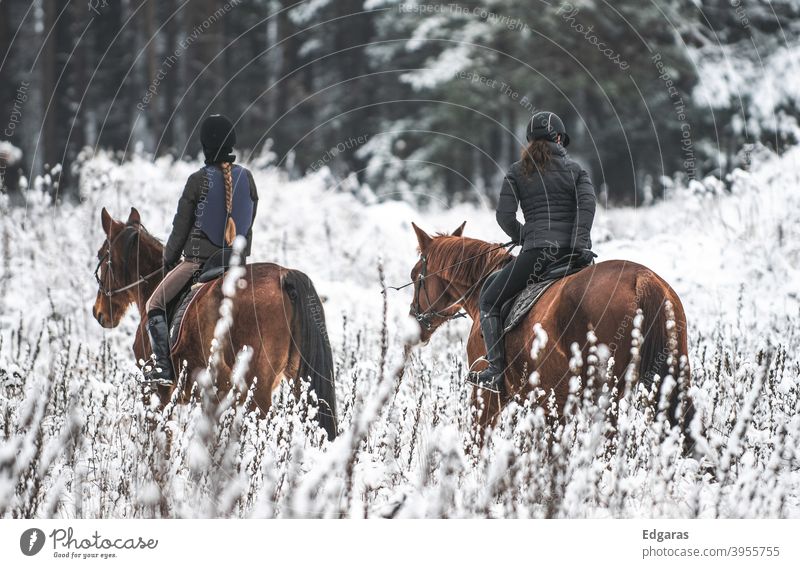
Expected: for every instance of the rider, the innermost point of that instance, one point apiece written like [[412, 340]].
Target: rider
[[558, 203], [218, 203]]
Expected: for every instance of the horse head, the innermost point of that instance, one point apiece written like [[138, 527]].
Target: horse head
[[435, 300], [118, 261]]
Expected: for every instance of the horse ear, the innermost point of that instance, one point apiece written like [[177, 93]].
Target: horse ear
[[423, 238], [133, 218], [107, 220], [460, 231]]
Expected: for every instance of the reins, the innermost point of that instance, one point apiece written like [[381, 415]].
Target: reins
[[141, 280]]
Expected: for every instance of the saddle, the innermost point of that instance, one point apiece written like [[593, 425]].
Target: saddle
[[516, 308], [215, 267]]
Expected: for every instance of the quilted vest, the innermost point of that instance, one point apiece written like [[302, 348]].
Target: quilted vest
[[210, 213]]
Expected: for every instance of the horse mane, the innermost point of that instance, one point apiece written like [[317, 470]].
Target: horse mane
[[147, 238], [465, 260]]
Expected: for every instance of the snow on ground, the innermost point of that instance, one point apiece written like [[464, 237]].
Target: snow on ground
[[88, 447]]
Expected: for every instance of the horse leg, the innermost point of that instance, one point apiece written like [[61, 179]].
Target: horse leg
[[269, 376], [486, 407], [262, 397]]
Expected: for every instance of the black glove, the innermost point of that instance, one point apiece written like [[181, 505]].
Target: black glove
[[586, 257]]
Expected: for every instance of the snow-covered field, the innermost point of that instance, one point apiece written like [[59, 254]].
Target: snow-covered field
[[77, 441]]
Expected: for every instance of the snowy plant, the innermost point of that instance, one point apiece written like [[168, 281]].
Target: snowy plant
[[77, 439]]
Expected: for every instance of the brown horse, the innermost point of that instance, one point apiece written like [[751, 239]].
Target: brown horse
[[603, 298], [277, 314]]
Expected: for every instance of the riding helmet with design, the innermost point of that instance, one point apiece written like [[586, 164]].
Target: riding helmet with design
[[545, 126]]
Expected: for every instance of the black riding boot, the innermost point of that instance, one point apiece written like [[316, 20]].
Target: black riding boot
[[160, 370], [491, 378]]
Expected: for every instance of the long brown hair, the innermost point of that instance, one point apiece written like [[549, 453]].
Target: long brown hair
[[535, 156], [230, 226]]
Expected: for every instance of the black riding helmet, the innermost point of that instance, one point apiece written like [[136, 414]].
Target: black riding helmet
[[218, 137], [546, 125]]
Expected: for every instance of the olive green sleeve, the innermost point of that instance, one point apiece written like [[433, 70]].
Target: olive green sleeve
[[182, 222]]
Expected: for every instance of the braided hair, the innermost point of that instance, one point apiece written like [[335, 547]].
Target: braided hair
[[230, 226]]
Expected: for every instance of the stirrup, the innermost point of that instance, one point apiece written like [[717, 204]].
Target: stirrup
[[473, 378], [152, 375], [157, 381]]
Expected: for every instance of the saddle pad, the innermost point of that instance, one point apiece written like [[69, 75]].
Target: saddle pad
[[524, 302], [177, 317]]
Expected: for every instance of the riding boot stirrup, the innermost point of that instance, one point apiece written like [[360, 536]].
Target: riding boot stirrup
[[491, 378], [159, 369]]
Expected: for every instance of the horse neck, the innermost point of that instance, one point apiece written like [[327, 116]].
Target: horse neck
[[467, 284], [470, 292], [149, 259]]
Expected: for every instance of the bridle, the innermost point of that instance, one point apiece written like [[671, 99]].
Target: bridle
[[424, 317], [132, 233]]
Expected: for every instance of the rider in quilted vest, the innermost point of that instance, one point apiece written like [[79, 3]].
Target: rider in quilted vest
[[558, 202], [218, 203]]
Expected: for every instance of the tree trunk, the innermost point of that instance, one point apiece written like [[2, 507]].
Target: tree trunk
[[48, 70]]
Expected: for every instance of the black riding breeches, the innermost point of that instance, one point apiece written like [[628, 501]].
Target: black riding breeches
[[526, 268]]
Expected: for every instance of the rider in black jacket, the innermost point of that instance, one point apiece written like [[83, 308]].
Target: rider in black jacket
[[558, 202], [218, 203]]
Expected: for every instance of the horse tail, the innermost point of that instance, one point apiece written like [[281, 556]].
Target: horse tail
[[310, 341], [664, 349]]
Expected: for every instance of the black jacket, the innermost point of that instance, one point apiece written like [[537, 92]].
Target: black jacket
[[189, 239], [558, 204]]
